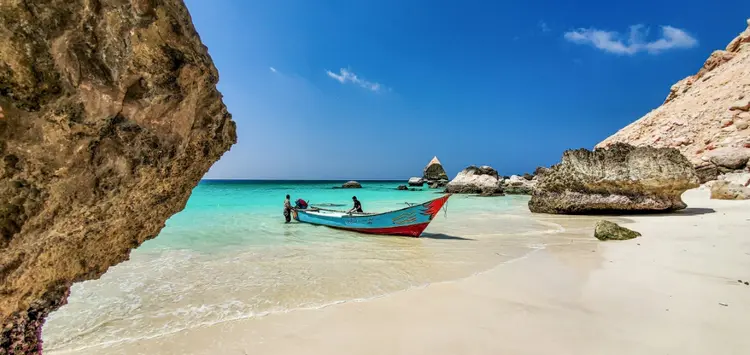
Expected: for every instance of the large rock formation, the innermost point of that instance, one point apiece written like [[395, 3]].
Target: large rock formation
[[621, 178], [110, 117], [434, 171], [702, 113], [476, 180]]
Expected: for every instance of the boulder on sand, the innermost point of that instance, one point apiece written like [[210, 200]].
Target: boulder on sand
[[726, 190], [434, 171], [476, 180], [606, 230], [351, 185], [618, 179]]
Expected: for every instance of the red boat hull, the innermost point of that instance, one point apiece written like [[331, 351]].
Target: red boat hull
[[414, 230]]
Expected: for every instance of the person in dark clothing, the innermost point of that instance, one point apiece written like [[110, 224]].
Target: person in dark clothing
[[287, 209], [357, 205]]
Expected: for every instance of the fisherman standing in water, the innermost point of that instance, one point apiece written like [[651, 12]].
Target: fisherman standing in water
[[287, 209]]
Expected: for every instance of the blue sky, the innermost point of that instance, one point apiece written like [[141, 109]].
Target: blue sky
[[374, 89]]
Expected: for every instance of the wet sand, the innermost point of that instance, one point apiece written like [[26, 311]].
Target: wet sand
[[674, 290]]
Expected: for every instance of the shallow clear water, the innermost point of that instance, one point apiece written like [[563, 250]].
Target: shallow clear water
[[229, 255]]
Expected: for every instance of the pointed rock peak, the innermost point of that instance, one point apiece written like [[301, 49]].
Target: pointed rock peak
[[434, 161]]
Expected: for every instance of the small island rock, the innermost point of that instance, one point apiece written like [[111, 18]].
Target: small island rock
[[606, 230], [416, 181], [351, 185], [402, 188], [434, 171]]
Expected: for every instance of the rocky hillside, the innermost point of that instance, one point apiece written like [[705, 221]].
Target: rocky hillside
[[109, 117], [705, 112]]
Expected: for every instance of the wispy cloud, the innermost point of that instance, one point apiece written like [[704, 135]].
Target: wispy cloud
[[544, 27], [634, 42], [272, 69], [347, 76]]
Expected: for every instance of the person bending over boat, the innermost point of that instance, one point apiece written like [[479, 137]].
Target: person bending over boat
[[287, 209], [357, 205]]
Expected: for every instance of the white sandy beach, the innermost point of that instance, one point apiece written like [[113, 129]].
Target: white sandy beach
[[674, 290]]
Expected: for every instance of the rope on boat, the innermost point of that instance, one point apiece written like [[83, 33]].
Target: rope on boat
[[445, 209]]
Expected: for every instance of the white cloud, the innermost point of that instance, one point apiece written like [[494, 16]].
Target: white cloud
[[272, 69], [544, 27], [347, 76], [634, 42]]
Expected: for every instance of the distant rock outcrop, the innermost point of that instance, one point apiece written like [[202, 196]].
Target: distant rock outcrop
[[517, 185], [476, 180], [402, 188], [351, 185], [416, 181], [109, 118], [434, 171], [621, 178], [438, 184], [703, 113], [606, 230]]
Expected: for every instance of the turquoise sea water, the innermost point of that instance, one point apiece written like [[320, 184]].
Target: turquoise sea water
[[229, 255]]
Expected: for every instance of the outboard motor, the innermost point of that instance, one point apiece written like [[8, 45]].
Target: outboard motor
[[300, 204]]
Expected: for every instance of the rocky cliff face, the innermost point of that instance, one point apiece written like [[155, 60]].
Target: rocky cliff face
[[702, 113], [620, 178], [110, 116]]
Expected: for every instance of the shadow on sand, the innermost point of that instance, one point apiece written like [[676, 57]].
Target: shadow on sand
[[690, 211], [442, 236], [694, 211]]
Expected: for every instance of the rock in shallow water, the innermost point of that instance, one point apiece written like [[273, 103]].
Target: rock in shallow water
[[416, 181], [351, 185], [606, 230], [622, 178], [110, 118]]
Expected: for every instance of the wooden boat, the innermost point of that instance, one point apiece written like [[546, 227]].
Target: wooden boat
[[409, 221]]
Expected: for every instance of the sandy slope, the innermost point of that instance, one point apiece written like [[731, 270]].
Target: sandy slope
[[672, 291]]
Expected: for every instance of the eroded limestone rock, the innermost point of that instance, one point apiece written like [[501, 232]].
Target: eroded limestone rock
[[110, 116], [621, 178]]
